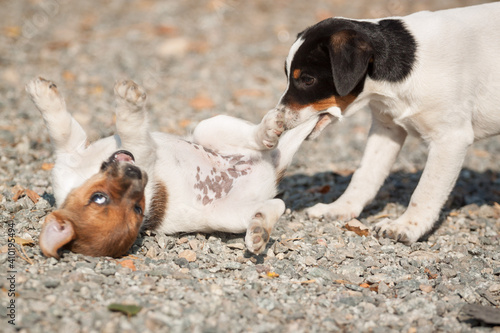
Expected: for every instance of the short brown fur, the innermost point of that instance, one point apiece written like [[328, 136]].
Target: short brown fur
[[109, 229]]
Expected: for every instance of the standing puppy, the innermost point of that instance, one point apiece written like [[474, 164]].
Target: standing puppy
[[431, 74]]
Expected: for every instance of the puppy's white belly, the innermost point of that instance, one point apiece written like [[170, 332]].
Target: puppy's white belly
[[208, 191]]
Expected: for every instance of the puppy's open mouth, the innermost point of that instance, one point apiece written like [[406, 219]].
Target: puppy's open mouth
[[118, 156], [123, 156]]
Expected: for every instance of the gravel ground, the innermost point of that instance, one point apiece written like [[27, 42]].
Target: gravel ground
[[198, 59]]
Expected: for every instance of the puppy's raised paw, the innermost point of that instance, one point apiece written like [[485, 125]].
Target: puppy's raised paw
[[130, 94], [270, 129], [258, 234], [45, 95]]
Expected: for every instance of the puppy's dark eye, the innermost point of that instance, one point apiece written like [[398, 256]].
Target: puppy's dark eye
[[99, 198], [307, 80], [138, 209]]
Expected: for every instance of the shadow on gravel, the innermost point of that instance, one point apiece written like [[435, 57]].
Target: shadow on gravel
[[301, 191]]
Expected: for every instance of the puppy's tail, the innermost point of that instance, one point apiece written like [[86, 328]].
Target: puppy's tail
[[290, 142]]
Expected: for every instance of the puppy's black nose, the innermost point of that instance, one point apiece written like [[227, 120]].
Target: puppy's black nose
[[134, 172]]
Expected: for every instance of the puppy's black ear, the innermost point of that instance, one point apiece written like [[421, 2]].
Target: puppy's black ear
[[350, 53]]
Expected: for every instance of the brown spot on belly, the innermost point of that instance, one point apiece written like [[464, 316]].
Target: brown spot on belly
[[157, 207]]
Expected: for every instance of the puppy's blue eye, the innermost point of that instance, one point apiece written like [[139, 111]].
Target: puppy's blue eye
[[138, 209], [99, 198]]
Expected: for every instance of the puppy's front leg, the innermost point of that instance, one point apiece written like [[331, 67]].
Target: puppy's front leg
[[440, 174], [66, 134], [132, 121], [384, 143]]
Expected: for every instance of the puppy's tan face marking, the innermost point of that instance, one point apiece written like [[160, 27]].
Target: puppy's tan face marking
[[323, 104], [296, 74], [102, 217], [333, 101]]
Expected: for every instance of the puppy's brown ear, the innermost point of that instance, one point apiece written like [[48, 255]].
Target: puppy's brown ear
[[350, 53], [56, 232]]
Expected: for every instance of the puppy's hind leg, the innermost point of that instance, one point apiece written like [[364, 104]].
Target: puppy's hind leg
[[262, 223], [66, 134], [132, 122]]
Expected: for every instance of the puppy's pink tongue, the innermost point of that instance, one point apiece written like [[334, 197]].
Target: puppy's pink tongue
[[124, 157]]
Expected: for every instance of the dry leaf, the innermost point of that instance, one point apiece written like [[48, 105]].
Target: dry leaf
[[163, 30], [12, 31], [481, 153], [96, 90], [22, 241], [184, 123], [357, 227], [272, 275], [68, 76], [201, 102], [47, 166], [189, 255], [319, 189], [17, 191], [342, 282], [32, 195], [308, 281], [364, 285], [128, 263], [430, 276]]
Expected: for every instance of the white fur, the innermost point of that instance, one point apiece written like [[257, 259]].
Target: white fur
[[176, 162], [451, 99]]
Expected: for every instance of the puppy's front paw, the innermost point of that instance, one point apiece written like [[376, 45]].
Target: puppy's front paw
[[270, 129], [130, 94], [337, 211], [401, 230], [45, 95], [258, 234]]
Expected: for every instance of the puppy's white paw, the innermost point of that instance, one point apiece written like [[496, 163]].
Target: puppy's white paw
[[258, 234], [130, 94], [401, 230], [45, 95], [270, 129], [336, 210]]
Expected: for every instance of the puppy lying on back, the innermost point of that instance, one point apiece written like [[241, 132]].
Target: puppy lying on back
[[223, 179]]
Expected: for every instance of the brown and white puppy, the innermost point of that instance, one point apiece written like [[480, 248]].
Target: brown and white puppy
[[431, 74], [223, 178]]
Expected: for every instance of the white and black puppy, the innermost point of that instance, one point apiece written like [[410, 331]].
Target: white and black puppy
[[431, 74], [223, 178]]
